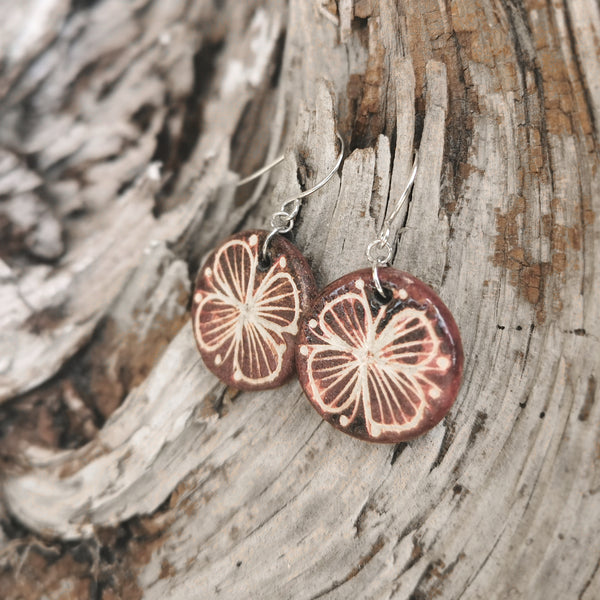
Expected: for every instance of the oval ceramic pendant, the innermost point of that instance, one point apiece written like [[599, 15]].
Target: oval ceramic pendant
[[380, 371], [245, 315]]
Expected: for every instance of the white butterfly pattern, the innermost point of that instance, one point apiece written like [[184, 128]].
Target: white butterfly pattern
[[241, 315], [375, 368]]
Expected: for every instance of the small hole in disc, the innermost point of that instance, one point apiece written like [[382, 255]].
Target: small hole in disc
[[383, 298], [264, 264]]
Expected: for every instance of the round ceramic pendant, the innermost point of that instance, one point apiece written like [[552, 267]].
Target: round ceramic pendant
[[380, 370], [245, 314]]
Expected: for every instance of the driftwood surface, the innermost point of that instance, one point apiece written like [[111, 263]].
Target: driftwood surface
[[129, 471]]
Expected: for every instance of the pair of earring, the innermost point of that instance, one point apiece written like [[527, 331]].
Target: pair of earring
[[377, 352]]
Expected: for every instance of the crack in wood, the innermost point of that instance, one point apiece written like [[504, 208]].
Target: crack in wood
[[589, 399], [362, 563]]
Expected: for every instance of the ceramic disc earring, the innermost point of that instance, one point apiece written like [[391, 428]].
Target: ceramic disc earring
[[249, 297], [379, 355]]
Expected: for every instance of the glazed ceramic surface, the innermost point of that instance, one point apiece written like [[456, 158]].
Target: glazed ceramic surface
[[382, 370], [246, 315]]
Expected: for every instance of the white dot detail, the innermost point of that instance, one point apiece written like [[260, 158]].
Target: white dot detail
[[237, 376], [208, 272], [253, 240], [344, 421], [282, 262], [360, 284], [304, 350], [197, 297], [403, 294], [218, 359], [312, 323], [443, 362], [434, 393]]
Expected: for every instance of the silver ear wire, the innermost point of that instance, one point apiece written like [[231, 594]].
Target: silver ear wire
[[379, 251], [260, 172], [282, 221]]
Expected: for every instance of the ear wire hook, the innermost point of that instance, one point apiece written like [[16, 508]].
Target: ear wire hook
[[260, 172], [282, 221], [379, 251]]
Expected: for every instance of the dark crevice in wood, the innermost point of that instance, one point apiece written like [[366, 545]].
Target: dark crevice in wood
[[447, 440], [358, 522], [174, 153], [270, 517], [29, 413], [277, 60], [79, 5], [24, 103], [142, 117], [478, 426], [590, 398], [543, 128], [410, 528], [580, 73], [481, 566], [368, 120], [205, 62], [527, 348], [164, 151], [26, 122], [398, 450], [45, 418], [460, 129], [420, 111], [86, 73], [419, 592], [143, 9], [126, 185], [586, 587], [106, 562], [417, 553], [218, 402], [519, 26], [11, 528], [363, 562]]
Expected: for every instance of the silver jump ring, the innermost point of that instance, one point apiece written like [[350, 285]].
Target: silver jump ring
[[282, 221], [383, 257], [379, 252], [294, 203], [379, 260]]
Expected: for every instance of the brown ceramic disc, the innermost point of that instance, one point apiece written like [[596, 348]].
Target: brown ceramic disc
[[381, 371], [246, 314]]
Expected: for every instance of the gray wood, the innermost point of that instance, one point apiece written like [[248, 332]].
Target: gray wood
[[124, 127]]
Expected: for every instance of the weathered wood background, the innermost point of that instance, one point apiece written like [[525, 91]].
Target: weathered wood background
[[128, 470]]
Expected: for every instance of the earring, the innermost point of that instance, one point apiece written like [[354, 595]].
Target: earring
[[379, 355], [249, 297]]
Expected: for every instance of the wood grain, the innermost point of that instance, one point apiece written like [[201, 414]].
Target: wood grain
[[129, 470]]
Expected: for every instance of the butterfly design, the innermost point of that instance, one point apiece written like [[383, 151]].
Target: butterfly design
[[243, 312], [376, 366]]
